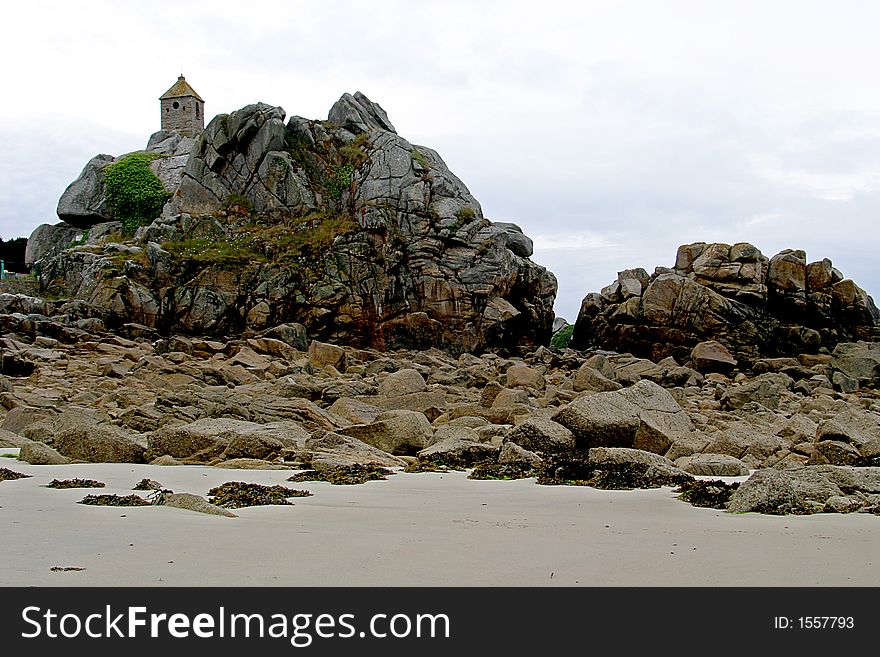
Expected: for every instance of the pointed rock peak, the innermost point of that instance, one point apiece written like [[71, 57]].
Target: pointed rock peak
[[359, 114]]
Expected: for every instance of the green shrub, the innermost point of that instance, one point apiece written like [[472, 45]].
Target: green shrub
[[562, 338], [340, 180], [239, 203], [465, 214], [133, 191], [419, 157]]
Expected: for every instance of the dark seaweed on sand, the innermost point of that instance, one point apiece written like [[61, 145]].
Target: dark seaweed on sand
[[114, 500], [713, 494], [75, 483], [492, 470], [238, 494], [344, 475], [9, 475]]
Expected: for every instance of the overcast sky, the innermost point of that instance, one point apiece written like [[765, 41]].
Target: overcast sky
[[611, 132]]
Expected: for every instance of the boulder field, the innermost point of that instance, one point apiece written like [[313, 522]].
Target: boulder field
[[74, 392]]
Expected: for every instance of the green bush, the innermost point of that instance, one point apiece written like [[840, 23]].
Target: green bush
[[340, 181], [133, 191], [562, 338], [465, 214]]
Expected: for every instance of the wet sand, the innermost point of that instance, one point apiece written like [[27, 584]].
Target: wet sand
[[426, 529]]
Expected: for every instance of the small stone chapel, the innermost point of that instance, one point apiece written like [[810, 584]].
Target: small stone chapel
[[183, 110]]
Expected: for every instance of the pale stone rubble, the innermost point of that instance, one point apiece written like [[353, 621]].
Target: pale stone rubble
[[83, 394]]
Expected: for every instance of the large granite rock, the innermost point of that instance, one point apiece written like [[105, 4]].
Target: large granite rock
[[644, 416], [810, 489], [750, 305], [342, 226], [83, 204], [859, 361], [48, 240]]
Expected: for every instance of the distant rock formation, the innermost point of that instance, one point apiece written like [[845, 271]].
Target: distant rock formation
[[754, 306], [340, 225]]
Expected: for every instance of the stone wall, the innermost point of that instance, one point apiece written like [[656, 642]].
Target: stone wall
[[188, 118]]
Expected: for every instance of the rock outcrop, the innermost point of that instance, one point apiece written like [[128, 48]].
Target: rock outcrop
[[342, 226], [753, 306], [91, 395]]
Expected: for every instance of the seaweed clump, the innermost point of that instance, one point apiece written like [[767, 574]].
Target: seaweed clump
[[577, 470], [114, 500], [9, 475], [238, 494], [147, 484], [713, 494], [344, 475], [75, 483], [421, 465], [512, 470]]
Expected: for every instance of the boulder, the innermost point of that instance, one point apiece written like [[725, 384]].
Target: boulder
[[48, 239], [355, 411], [292, 334], [513, 453], [396, 432], [851, 425], [191, 502], [602, 420], [765, 389], [358, 114], [322, 354], [652, 469], [589, 379], [209, 436], [103, 443], [456, 452], [712, 356], [802, 490], [330, 449], [542, 435], [47, 427], [834, 452], [402, 382], [83, 204], [40, 454], [712, 465], [616, 419], [455, 431], [525, 377], [741, 440], [859, 361]]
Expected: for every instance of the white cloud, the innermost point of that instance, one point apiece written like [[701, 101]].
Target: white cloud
[[611, 132]]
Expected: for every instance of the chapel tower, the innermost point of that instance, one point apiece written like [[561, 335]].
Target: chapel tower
[[183, 110]]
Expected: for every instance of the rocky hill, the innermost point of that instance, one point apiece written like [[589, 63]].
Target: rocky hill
[[752, 305], [341, 225]]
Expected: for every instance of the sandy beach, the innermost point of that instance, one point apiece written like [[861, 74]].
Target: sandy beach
[[425, 529]]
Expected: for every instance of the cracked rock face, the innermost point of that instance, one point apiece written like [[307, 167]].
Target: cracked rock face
[[753, 306], [342, 226]]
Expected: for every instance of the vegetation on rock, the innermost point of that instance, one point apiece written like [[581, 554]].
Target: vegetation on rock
[[492, 470], [133, 191], [424, 465], [713, 494], [562, 338], [575, 469]]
